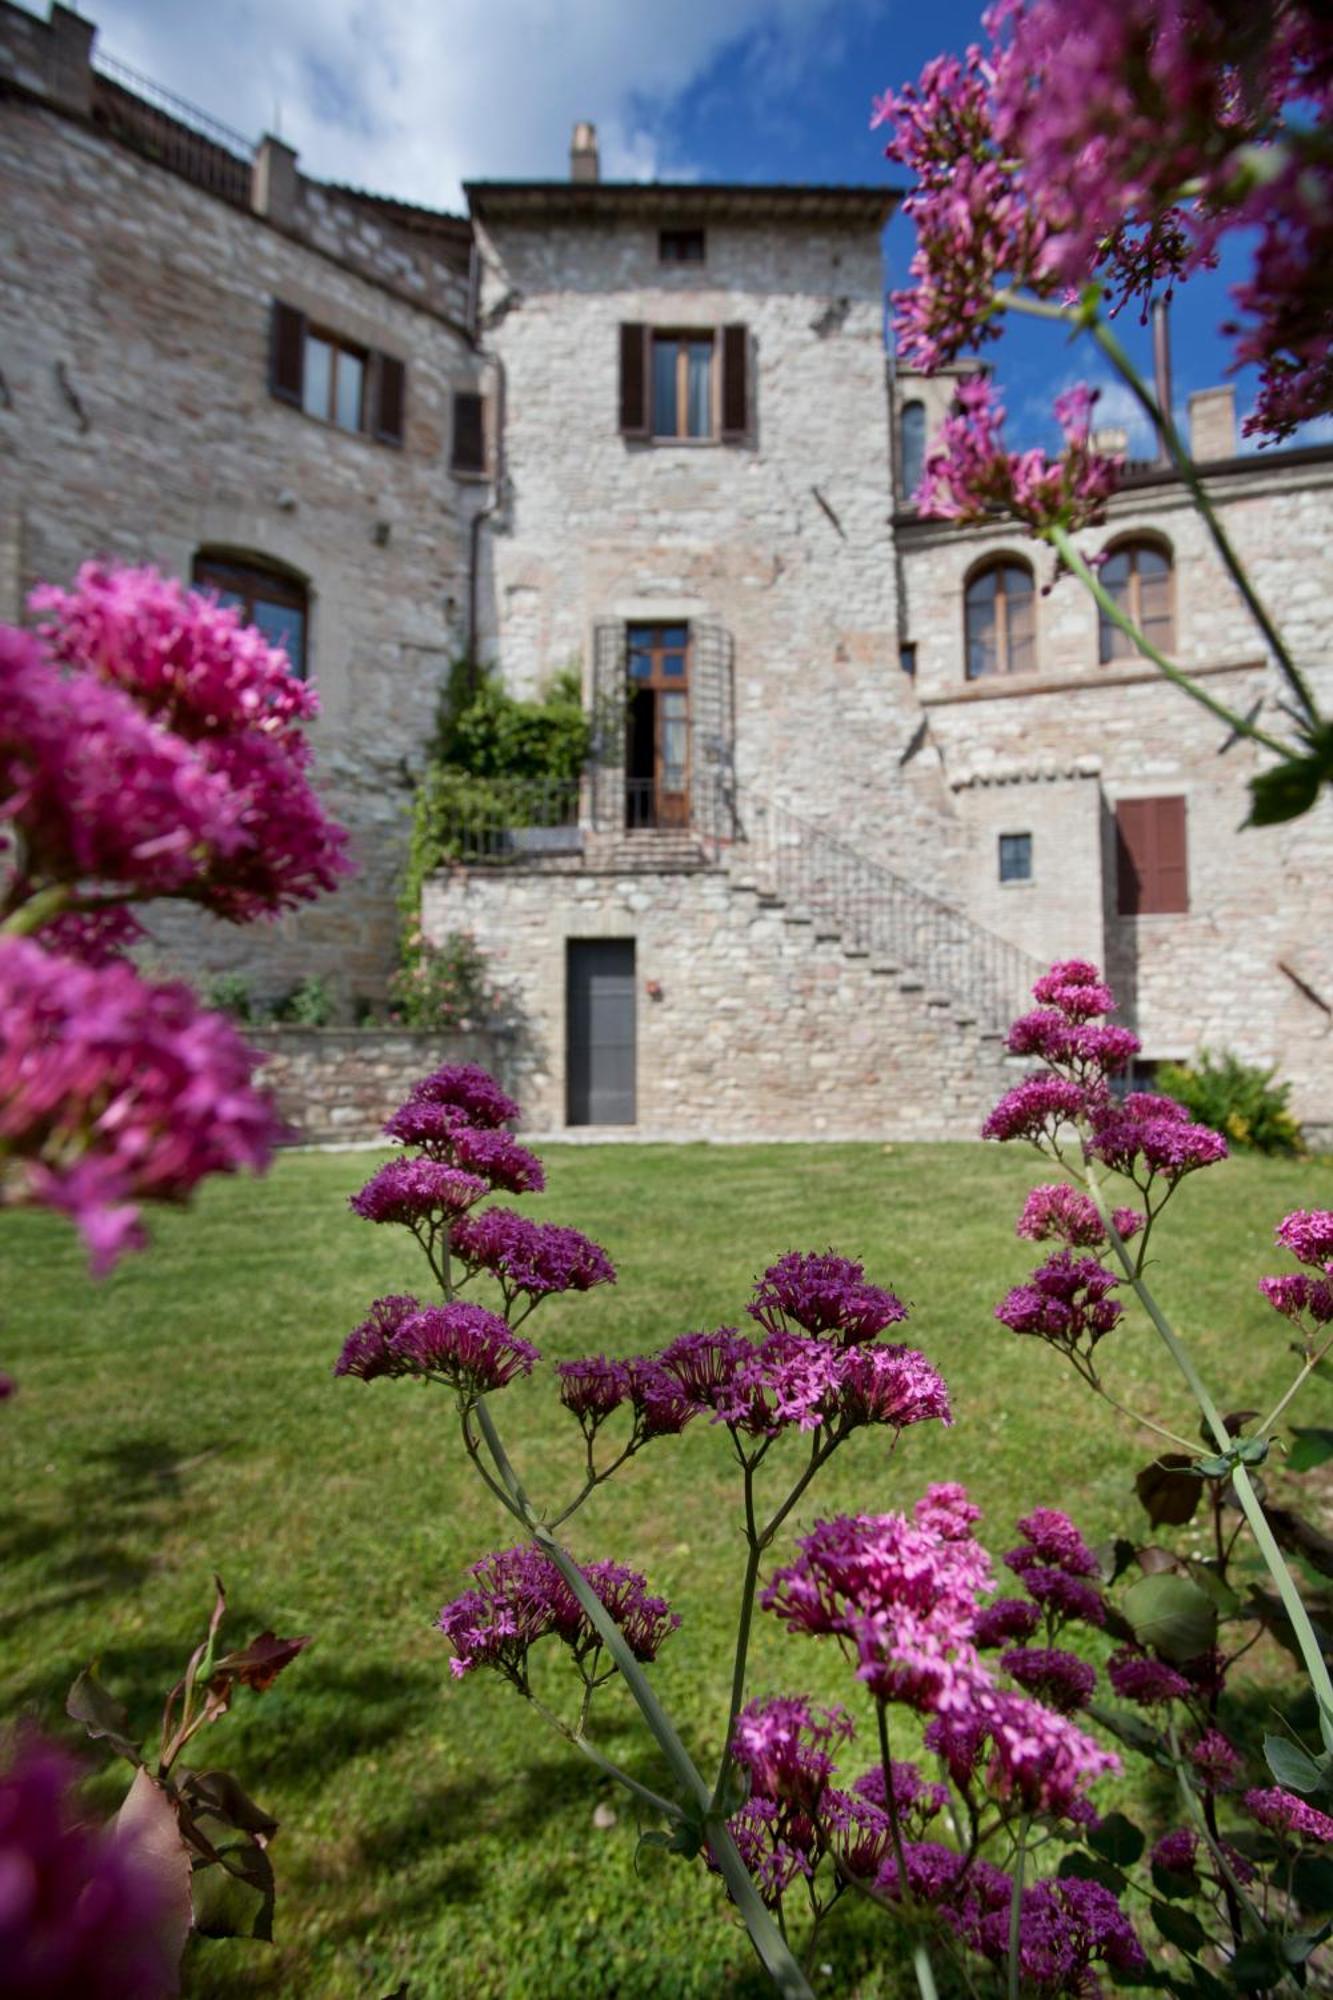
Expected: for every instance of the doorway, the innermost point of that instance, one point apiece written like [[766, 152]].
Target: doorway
[[600, 1033], [657, 727]]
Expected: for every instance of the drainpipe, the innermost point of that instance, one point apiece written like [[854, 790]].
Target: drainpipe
[[482, 515], [1161, 361]]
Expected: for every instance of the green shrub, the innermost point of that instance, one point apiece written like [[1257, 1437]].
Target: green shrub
[[308, 1005], [229, 993], [1237, 1098], [443, 986]]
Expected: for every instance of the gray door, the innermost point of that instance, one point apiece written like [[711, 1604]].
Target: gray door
[[599, 989]]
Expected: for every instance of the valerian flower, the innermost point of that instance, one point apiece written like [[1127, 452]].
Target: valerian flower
[[972, 476], [1283, 1813]]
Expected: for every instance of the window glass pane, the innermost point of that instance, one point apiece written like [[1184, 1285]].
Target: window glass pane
[[700, 413], [351, 373], [673, 664], [673, 637], [982, 588], [1017, 581], [1114, 574], [981, 635], [914, 447], [664, 388], [1022, 622], [283, 625], [675, 734], [318, 376], [1015, 857], [1152, 563]]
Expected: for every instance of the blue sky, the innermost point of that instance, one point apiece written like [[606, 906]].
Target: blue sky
[[413, 96]]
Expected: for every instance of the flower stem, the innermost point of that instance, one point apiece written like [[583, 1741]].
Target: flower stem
[[765, 1936], [1016, 1911], [1292, 1602], [1060, 540], [1165, 424], [666, 1807], [1262, 1429], [40, 909]]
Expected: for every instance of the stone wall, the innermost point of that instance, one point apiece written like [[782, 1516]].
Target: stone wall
[[749, 1023], [137, 424], [342, 1083]]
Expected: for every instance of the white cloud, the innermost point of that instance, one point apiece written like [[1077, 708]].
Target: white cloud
[[411, 97]]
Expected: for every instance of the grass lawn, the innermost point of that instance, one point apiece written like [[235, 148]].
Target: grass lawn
[[182, 1418]]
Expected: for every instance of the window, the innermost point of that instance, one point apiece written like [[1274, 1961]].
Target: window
[[1015, 857], [1138, 576], [912, 438], [684, 383], [1152, 875], [318, 371], [680, 246], [1000, 618], [274, 600], [657, 726], [907, 658], [469, 432]]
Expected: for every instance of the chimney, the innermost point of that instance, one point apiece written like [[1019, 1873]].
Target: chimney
[[1161, 358], [273, 181], [583, 165], [1112, 440], [1213, 424]]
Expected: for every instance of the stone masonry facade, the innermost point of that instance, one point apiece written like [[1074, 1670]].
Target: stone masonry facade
[[825, 937]]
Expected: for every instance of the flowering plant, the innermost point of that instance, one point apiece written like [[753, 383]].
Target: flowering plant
[[150, 747], [1000, 1690], [1084, 158]]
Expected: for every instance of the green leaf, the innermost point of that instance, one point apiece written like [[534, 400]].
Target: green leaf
[[1292, 1766], [101, 1714], [1312, 1448], [1114, 1558], [1117, 1839], [233, 1896], [1134, 1731], [1286, 791], [1208, 1580], [1312, 1883], [1297, 1947], [1173, 1884], [1172, 1614], [1087, 1868], [1169, 1490], [216, 1795], [1214, 1468], [1257, 1965], [1252, 1451], [1179, 1927]]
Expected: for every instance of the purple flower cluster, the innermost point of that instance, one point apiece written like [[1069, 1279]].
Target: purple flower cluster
[[1067, 1301], [1036, 1109], [519, 1596], [114, 1092], [917, 1800], [1088, 1051], [971, 474], [1283, 1813], [1007, 1618], [1146, 1135], [458, 1343], [823, 1295], [530, 1259], [1135, 1677], [1053, 1564], [83, 1916], [417, 1192], [1059, 1210], [1217, 1764], [467, 1091], [1176, 1851], [1308, 1234], [1065, 1927], [783, 1744], [1063, 1681]]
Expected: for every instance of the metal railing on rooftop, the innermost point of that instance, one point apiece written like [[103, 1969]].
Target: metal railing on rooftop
[[164, 128]]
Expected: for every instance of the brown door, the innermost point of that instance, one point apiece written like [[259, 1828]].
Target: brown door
[[657, 748]]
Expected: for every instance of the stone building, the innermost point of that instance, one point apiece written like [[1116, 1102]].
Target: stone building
[[854, 773]]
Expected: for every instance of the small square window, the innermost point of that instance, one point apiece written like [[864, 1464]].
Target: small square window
[[1015, 857], [680, 246]]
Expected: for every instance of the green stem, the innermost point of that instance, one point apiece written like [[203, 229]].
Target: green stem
[[1251, 1506], [773, 1952], [1016, 1911], [925, 1978], [40, 909], [1262, 1430], [1060, 540], [666, 1807], [743, 1623], [1184, 464]]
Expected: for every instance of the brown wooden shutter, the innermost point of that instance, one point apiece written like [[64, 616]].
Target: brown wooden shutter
[[286, 353], [634, 410], [390, 398], [469, 446], [735, 384], [1151, 860]]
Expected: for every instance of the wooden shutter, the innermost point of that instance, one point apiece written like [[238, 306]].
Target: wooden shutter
[[469, 450], [735, 384], [1151, 860], [390, 398], [286, 353], [634, 410]]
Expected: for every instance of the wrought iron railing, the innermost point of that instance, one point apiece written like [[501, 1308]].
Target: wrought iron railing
[[873, 910], [166, 128]]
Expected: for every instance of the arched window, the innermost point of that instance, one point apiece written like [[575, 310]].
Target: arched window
[[1000, 616], [912, 434], [1138, 576], [276, 600]]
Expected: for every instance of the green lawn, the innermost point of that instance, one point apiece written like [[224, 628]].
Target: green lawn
[[183, 1417]]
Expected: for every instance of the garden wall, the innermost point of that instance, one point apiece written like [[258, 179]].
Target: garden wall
[[342, 1083]]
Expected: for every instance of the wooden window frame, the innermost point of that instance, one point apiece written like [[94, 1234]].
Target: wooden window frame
[[214, 569], [341, 346], [683, 336], [658, 682], [1003, 670], [1108, 633], [382, 407]]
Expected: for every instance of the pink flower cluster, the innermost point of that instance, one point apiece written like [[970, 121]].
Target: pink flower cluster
[[153, 742], [1283, 1813], [82, 1916], [454, 1117], [1058, 1210], [519, 1597], [971, 476], [114, 1092], [1308, 1234], [1124, 141], [458, 1343], [1067, 1301]]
